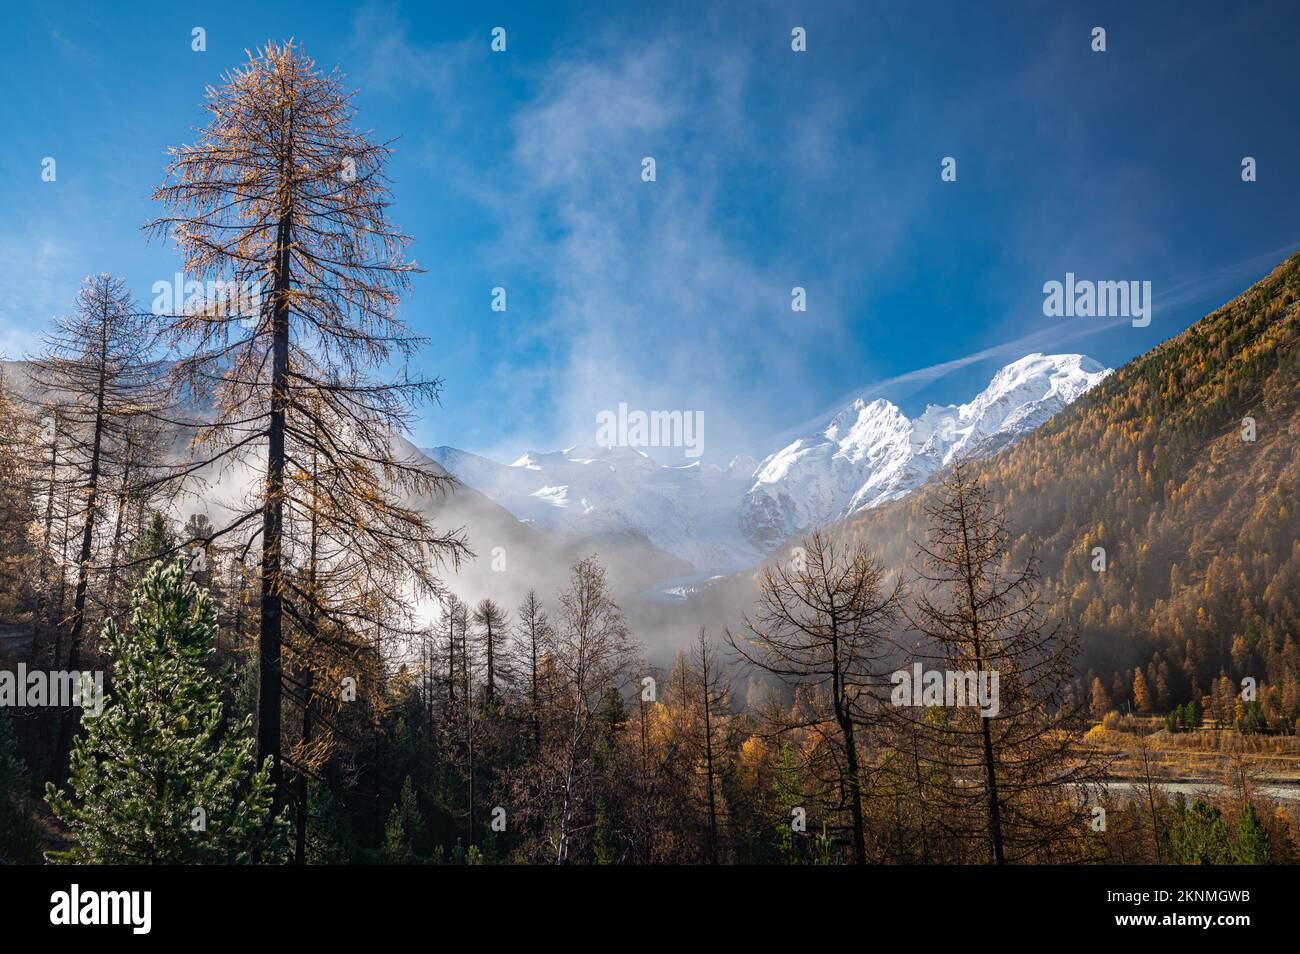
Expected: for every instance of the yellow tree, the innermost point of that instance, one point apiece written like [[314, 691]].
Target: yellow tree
[[1141, 694]]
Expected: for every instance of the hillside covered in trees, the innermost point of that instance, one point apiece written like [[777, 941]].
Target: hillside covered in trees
[[1184, 467]]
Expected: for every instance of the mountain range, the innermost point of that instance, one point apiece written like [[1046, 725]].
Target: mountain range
[[722, 520], [1183, 467]]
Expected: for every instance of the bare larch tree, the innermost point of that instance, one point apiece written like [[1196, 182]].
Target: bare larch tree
[[1016, 766], [822, 624], [93, 381]]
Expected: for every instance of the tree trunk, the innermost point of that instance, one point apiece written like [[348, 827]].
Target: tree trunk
[[708, 767], [571, 774], [269, 639], [491, 679], [116, 552], [300, 834], [845, 720], [43, 602], [64, 743], [996, 853]]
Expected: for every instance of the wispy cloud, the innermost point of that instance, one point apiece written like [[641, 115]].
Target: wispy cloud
[[660, 294], [392, 63], [1192, 291]]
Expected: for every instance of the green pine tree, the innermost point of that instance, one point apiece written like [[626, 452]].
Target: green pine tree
[[1251, 847], [156, 543], [1202, 837], [157, 777], [330, 839], [19, 834], [404, 829]]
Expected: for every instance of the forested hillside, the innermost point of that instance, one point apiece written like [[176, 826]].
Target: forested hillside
[[1198, 521]]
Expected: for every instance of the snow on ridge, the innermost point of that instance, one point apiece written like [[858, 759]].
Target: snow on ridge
[[872, 453], [724, 520]]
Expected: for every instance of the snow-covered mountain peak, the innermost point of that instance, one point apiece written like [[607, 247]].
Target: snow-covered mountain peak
[[872, 452], [742, 464], [722, 520], [688, 510]]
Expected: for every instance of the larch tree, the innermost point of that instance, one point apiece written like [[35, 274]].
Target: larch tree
[[713, 705], [492, 621], [94, 381], [46, 438], [1098, 699], [1015, 762], [454, 613], [822, 626], [529, 650], [285, 205], [1141, 694], [136, 491], [18, 476], [592, 650]]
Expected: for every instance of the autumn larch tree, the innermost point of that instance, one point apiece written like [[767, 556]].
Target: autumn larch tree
[[492, 621], [18, 478], [96, 378], [713, 697], [1018, 771], [822, 626], [283, 201], [532, 643], [591, 649]]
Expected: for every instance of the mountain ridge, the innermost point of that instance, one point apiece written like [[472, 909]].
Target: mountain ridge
[[722, 520]]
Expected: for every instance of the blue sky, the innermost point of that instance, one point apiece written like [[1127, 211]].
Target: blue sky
[[775, 169]]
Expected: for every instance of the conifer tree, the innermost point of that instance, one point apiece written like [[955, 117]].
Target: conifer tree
[[17, 550], [1141, 694], [96, 375], [713, 695], [821, 627], [492, 621], [1251, 847], [1016, 760], [282, 199], [592, 649], [1098, 699], [158, 776], [18, 832], [533, 637], [405, 827]]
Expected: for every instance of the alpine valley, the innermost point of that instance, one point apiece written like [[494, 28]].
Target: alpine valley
[[723, 519]]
